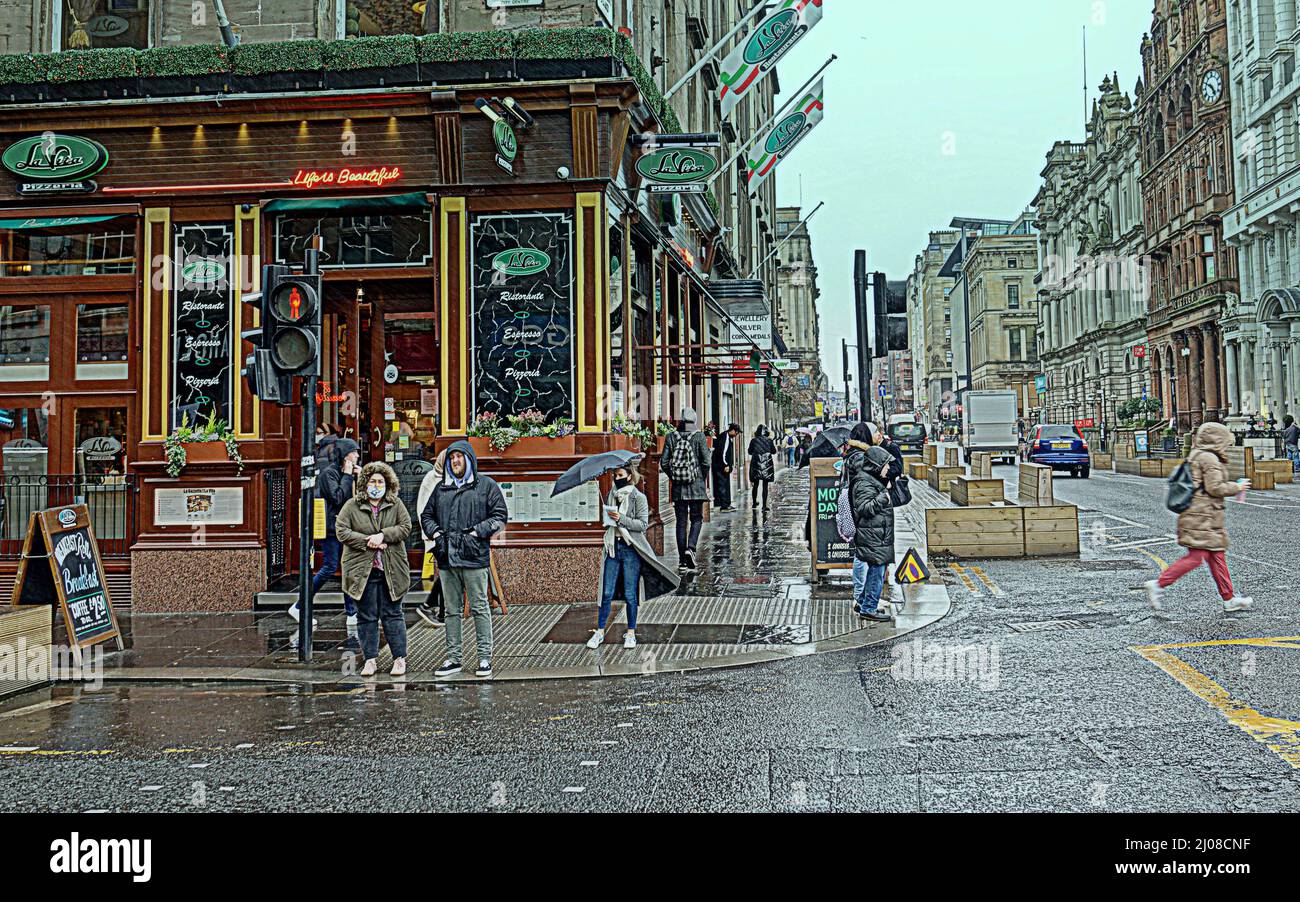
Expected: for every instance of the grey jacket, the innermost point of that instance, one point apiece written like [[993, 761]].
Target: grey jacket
[[657, 578], [688, 491]]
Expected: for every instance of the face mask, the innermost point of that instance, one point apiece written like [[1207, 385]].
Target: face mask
[[622, 483], [375, 492]]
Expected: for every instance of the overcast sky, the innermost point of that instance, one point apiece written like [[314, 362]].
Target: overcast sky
[[995, 82]]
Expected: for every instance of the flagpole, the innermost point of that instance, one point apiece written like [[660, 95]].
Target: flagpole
[[690, 73], [786, 238], [796, 97]]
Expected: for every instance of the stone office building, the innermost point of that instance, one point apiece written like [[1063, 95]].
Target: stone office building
[[1262, 328], [1092, 280]]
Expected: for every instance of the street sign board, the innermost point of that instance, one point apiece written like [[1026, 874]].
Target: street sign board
[[1085, 423], [830, 552], [1139, 351], [1040, 384], [1140, 442], [912, 569]]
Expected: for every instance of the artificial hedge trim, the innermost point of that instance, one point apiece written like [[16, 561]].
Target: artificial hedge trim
[[88, 65], [198, 59], [19, 68], [465, 46], [564, 43], [368, 52], [279, 56]]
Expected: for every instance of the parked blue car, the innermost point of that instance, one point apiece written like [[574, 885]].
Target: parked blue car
[[1058, 447]]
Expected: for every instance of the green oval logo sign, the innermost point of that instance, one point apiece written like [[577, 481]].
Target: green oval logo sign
[[773, 36], [504, 138], [787, 132], [521, 261], [203, 272], [677, 165], [54, 157]]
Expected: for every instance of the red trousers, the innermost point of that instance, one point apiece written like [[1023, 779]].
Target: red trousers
[[1217, 562]]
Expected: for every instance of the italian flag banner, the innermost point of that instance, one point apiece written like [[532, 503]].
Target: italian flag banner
[[756, 55], [788, 131]]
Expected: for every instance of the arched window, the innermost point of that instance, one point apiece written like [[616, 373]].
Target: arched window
[[1187, 108]]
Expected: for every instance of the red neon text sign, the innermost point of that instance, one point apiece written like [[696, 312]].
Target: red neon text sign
[[376, 177]]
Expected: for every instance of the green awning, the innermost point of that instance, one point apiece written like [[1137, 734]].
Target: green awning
[[51, 222], [386, 203]]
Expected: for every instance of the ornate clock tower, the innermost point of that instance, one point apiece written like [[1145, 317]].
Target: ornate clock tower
[[1187, 185]]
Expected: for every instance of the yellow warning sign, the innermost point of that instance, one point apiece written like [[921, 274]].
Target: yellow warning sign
[[912, 569]]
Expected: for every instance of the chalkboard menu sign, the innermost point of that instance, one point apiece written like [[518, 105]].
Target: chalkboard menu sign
[[74, 577], [522, 313], [830, 552], [202, 297]]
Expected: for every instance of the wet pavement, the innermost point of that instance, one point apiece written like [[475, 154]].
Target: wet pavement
[[751, 601], [1051, 686]]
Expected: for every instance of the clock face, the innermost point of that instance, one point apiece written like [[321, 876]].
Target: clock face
[[1212, 86]]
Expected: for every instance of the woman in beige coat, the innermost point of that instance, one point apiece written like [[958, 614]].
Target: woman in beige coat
[[1201, 528]]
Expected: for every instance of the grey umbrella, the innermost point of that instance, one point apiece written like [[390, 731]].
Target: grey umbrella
[[827, 443], [593, 467]]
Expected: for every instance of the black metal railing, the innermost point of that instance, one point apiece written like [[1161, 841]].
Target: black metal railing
[[277, 516], [109, 499]]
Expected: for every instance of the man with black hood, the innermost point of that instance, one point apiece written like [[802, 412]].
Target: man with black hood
[[724, 462], [337, 463], [462, 515]]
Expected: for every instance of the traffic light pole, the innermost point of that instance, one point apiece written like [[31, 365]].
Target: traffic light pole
[[307, 501]]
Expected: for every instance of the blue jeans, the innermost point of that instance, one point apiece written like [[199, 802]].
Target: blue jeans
[[625, 559], [868, 583], [331, 550], [1293, 453], [789, 456], [377, 605]]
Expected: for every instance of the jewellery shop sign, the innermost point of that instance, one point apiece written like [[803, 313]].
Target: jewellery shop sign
[[54, 164]]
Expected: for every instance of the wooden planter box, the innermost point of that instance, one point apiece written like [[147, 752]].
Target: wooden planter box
[[531, 446], [1280, 470], [941, 478], [1102, 461], [29, 627], [952, 457], [1152, 468], [932, 455], [1051, 530], [1265, 480], [1035, 484], [969, 491], [919, 471], [981, 465], [975, 532], [205, 453], [1242, 464]]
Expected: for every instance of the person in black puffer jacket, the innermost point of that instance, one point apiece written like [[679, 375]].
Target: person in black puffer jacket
[[867, 467]]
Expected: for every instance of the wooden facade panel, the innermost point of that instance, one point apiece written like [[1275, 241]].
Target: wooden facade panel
[[454, 316], [156, 363], [542, 150]]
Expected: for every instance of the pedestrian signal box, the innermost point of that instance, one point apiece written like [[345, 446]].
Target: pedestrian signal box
[[912, 569]]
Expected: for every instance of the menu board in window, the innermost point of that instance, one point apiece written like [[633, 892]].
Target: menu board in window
[[202, 300], [522, 313]]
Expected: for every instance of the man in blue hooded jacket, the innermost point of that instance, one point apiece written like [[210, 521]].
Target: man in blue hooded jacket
[[462, 515]]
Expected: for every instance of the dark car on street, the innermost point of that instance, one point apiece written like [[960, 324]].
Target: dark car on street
[[1058, 447], [910, 437]]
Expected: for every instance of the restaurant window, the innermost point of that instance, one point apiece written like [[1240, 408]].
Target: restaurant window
[[617, 333], [1013, 296], [25, 344], [105, 23], [102, 333], [397, 239], [66, 246], [1207, 256]]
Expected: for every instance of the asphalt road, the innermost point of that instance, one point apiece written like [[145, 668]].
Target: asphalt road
[[1046, 689]]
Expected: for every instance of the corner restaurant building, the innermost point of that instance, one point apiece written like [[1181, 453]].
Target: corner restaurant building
[[120, 313]]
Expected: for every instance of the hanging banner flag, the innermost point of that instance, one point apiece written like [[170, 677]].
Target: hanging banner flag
[[789, 130], [755, 56]]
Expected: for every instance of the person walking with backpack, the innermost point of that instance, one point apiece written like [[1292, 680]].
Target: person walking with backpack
[[791, 446], [762, 466], [1201, 524], [373, 526], [462, 515], [866, 469], [685, 460]]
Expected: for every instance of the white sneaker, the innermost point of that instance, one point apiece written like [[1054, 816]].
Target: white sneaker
[[1237, 603], [629, 639], [352, 620], [1155, 595], [369, 668], [597, 637], [293, 612], [399, 667]]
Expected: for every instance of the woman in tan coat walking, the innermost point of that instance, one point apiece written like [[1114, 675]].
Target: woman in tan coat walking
[[1201, 528]]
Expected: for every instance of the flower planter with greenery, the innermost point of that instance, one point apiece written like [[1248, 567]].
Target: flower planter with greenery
[[550, 53], [175, 71], [21, 79], [277, 66], [521, 435], [91, 74], [466, 56], [358, 62], [210, 442]]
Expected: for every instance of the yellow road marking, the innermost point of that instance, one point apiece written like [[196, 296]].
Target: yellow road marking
[[1282, 737], [992, 586], [965, 578], [26, 751]]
